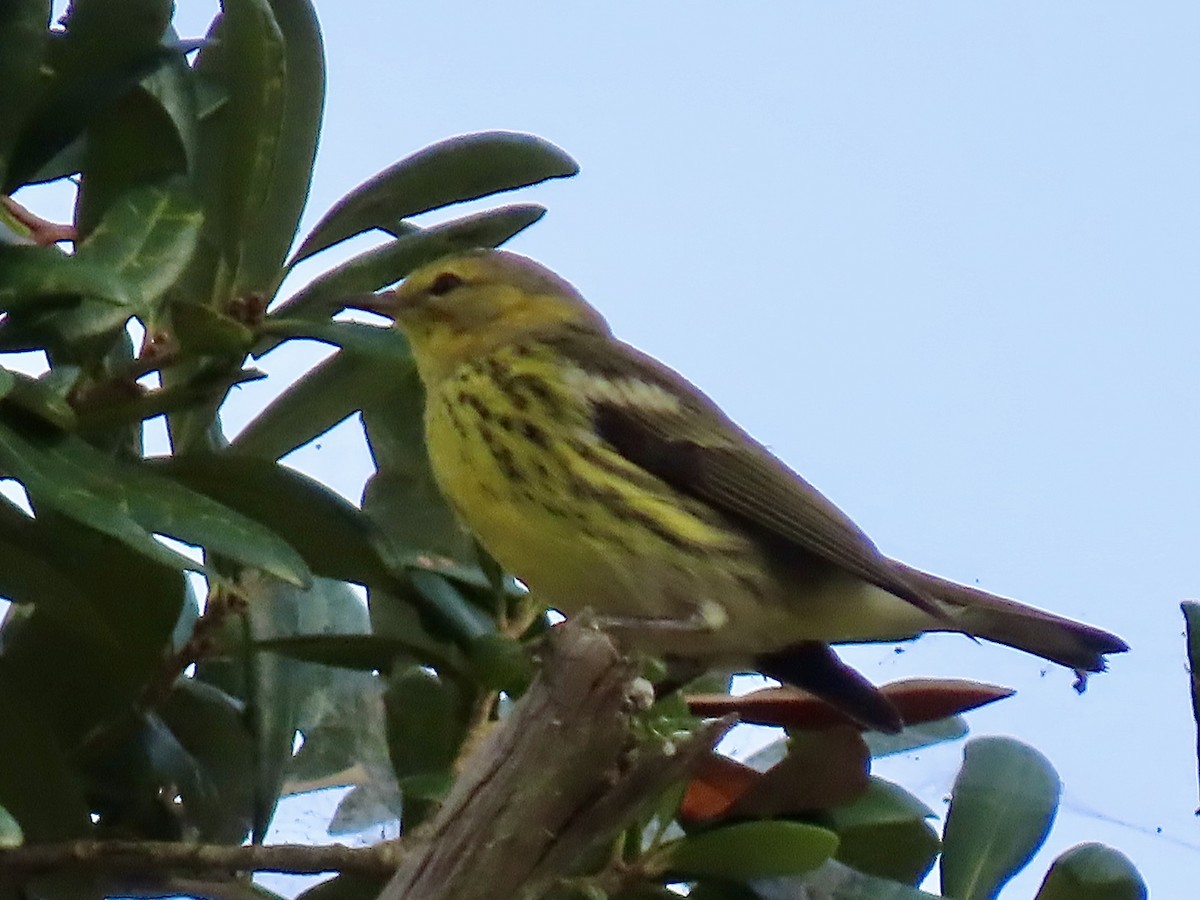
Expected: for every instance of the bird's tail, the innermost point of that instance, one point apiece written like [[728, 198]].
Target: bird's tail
[[983, 615]]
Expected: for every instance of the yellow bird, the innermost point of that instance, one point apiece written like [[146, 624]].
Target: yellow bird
[[604, 480]]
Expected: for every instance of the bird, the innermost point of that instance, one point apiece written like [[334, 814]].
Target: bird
[[605, 481]]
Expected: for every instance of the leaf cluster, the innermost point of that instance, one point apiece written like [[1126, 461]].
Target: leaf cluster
[[139, 701], [191, 637]]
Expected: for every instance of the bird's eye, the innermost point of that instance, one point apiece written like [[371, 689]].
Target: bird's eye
[[444, 284]]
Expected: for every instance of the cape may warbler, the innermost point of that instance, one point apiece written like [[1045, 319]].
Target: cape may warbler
[[603, 479]]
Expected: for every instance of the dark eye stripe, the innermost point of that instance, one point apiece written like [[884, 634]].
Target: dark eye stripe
[[444, 284]]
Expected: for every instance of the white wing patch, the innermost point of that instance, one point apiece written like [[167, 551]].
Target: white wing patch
[[623, 391]]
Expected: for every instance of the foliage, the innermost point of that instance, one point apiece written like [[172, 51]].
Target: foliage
[[131, 707]]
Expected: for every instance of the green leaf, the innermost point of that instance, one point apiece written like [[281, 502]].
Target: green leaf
[[95, 37], [1093, 872], [97, 61], [23, 43], [201, 330], [32, 275], [388, 263], [138, 250], [426, 723], [38, 785], [446, 601], [320, 399], [402, 498], [885, 833], [271, 226], [834, 881], [132, 504], [750, 850], [268, 58], [113, 611], [333, 537], [451, 171], [369, 341], [914, 737], [31, 571], [1002, 806], [38, 397], [131, 143], [146, 237], [212, 727], [363, 652], [250, 56], [500, 663]]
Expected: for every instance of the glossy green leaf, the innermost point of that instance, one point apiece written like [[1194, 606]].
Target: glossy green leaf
[[133, 256], [334, 538], [130, 143], [1093, 872], [320, 399], [250, 59], [181, 96], [388, 263], [750, 850], [886, 833], [131, 503], [146, 237], [270, 226], [34, 275], [23, 43], [97, 61], [451, 171], [136, 252], [1002, 805], [38, 397], [268, 58]]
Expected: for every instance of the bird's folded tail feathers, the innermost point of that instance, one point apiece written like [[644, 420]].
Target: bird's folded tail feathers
[[814, 667], [983, 615]]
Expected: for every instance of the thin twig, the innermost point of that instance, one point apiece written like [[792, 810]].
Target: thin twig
[[112, 857]]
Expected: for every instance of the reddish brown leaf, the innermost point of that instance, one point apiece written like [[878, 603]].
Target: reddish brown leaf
[[823, 769], [717, 785], [918, 700]]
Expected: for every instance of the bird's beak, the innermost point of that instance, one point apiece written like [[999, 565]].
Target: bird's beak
[[381, 304]]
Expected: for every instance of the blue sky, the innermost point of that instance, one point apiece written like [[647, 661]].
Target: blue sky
[[939, 256]]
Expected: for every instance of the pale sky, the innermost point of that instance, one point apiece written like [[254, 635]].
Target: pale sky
[[941, 257]]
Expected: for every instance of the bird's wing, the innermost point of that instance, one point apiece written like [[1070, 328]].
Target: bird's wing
[[662, 423]]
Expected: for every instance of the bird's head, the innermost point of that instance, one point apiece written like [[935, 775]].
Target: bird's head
[[467, 304]]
